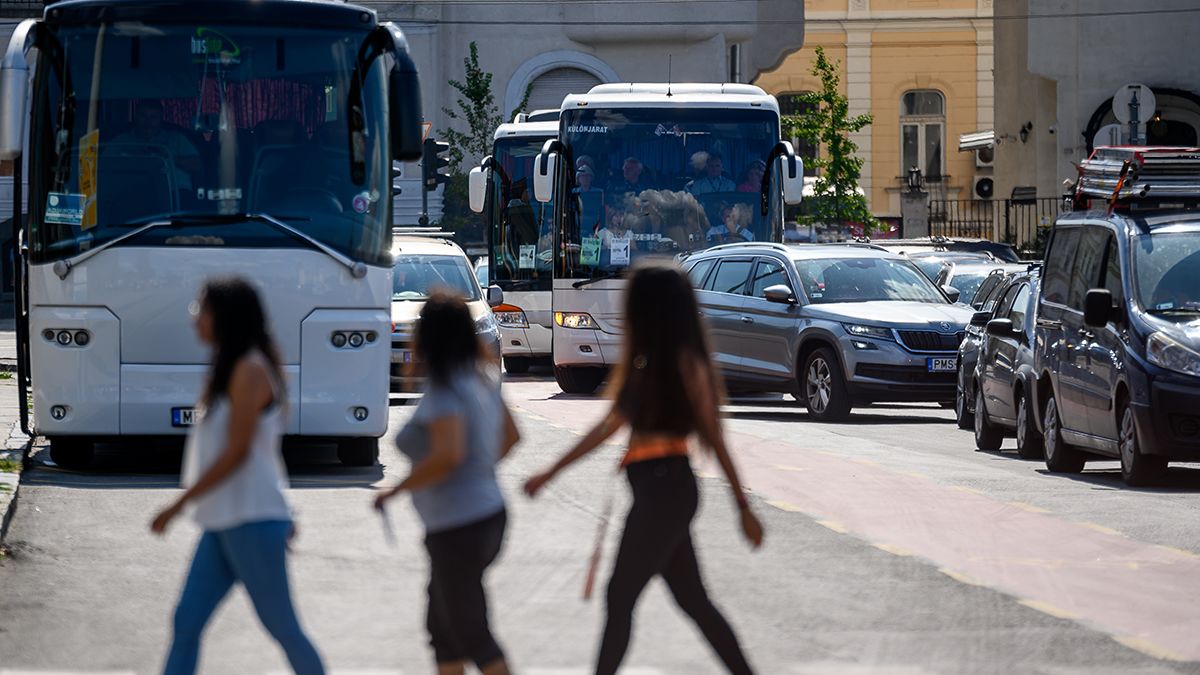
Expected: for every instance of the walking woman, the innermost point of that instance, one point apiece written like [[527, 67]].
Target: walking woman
[[458, 432], [235, 476], [665, 390]]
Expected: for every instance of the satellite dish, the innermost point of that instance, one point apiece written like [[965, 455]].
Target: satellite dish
[[1109, 134], [1125, 96]]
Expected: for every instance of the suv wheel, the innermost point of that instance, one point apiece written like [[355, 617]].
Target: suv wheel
[[578, 380], [1060, 457], [962, 413], [1029, 439], [516, 365], [824, 387], [987, 435], [1137, 469]]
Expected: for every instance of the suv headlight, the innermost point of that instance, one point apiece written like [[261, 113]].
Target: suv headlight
[[580, 320], [858, 330], [486, 324], [1165, 352], [510, 316]]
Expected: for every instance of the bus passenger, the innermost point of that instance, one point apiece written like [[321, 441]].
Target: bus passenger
[[713, 180], [752, 182], [734, 225]]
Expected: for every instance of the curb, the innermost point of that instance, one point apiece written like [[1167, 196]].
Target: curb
[[12, 461]]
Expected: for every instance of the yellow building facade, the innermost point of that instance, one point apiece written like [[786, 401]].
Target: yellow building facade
[[922, 68]]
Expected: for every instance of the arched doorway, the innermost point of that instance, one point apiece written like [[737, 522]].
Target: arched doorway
[[548, 89], [1175, 121], [552, 75]]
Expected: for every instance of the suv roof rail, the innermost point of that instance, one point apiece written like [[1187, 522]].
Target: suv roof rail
[[1139, 178], [756, 244]]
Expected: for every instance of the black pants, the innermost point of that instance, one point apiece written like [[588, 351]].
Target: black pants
[[458, 614], [658, 540]]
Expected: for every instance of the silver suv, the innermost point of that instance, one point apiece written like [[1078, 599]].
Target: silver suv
[[835, 325]]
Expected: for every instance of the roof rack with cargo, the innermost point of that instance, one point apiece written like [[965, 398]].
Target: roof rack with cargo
[[1136, 178]]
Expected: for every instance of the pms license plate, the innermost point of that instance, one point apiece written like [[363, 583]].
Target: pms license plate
[[183, 417], [944, 364]]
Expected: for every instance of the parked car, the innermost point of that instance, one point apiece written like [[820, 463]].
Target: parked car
[[989, 294], [1119, 342], [910, 247], [422, 264], [966, 276], [836, 325], [1004, 376], [934, 263]]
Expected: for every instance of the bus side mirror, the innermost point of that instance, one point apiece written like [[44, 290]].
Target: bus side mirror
[[792, 177], [545, 167], [404, 96], [477, 182], [14, 90]]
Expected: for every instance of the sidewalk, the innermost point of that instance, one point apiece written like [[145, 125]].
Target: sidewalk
[[14, 445]]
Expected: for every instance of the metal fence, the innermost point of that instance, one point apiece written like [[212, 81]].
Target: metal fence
[[1020, 223]]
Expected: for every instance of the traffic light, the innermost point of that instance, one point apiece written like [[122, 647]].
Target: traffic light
[[434, 158]]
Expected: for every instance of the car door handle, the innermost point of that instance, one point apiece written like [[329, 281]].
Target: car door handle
[[746, 319]]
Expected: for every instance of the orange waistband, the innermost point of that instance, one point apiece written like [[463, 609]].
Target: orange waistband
[[655, 449]]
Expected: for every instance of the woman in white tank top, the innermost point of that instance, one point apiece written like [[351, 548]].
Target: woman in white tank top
[[234, 477]]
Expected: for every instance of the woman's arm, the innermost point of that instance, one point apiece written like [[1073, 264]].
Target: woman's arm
[[512, 435], [603, 430], [447, 449], [249, 393]]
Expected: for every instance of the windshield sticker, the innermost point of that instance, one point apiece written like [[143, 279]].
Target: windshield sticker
[[88, 150], [589, 251], [528, 253], [618, 251], [64, 209], [1165, 306], [673, 130], [587, 129], [219, 195], [213, 47]]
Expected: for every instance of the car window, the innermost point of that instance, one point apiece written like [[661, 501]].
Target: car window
[[828, 280], [1112, 273], [414, 277], [967, 283], [768, 273], [1020, 307], [1006, 304], [1057, 281], [1085, 275], [986, 289], [699, 271], [730, 277]]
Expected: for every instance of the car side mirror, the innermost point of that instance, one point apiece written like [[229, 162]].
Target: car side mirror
[[951, 292], [477, 182], [495, 296], [980, 319], [779, 293], [1000, 327], [1098, 307]]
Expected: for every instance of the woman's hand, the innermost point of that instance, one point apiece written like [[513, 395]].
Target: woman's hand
[[536, 482], [164, 518], [751, 527]]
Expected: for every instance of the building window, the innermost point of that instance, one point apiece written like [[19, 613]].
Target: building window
[[792, 104], [922, 133]]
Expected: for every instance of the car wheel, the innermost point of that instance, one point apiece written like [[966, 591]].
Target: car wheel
[[987, 435], [962, 413], [1029, 439], [824, 387], [516, 365], [358, 451], [71, 452], [1137, 469], [578, 380], [1060, 457]]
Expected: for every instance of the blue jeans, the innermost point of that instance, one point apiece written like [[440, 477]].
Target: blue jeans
[[254, 554]]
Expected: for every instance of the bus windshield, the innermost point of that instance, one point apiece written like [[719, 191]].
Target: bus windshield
[[136, 121], [522, 240], [644, 181]]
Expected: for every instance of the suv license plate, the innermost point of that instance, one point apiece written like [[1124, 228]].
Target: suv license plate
[[941, 364], [183, 417]]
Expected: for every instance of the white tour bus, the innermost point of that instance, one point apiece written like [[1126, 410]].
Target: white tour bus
[[520, 236], [652, 169], [167, 143]]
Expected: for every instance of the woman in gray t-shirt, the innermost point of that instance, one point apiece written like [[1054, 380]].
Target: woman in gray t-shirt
[[458, 432]]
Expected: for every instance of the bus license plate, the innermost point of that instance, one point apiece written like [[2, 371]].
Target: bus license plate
[[183, 417], [941, 364]]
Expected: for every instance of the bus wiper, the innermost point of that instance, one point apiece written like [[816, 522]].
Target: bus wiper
[[63, 268], [611, 274]]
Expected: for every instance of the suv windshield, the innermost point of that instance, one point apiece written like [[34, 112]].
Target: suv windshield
[[135, 121], [414, 277], [1167, 272], [864, 280], [642, 181], [522, 239]]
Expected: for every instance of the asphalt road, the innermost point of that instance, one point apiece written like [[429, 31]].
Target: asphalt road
[[892, 547]]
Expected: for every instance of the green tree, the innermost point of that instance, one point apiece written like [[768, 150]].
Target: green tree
[[826, 123]]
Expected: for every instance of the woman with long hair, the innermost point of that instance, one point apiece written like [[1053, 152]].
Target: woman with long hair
[[665, 389], [234, 477], [459, 431]]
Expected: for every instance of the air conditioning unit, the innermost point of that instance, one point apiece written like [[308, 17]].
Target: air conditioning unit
[[983, 187], [985, 156]]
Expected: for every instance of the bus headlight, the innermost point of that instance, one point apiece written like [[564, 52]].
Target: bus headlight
[[579, 320], [511, 316]]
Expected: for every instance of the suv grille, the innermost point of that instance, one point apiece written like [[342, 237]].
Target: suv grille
[[931, 341]]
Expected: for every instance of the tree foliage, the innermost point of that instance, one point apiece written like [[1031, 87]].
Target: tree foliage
[[826, 122]]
